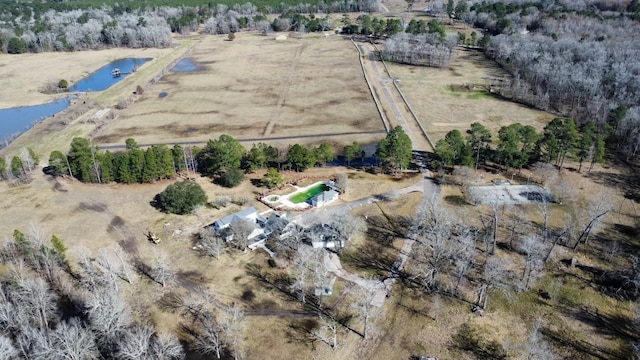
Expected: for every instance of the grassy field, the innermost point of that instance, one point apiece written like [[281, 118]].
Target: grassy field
[[441, 102], [23, 75], [256, 89]]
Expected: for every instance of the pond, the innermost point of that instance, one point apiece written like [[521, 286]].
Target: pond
[[103, 77], [15, 121]]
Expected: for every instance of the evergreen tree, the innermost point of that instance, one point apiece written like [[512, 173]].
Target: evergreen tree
[[165, 161], [272, 178], [177, 156], [181, 197], [150, 168], [351, 152], [254, 159], [585, 142], [271, 154], [3, 168], [509, 148], [300, 158], [17, 168], [478, 138], [232, 177], [598, 151], [220, 155], [81, 159], [395, 150], [453, 150], [136, 164], [323, 154], [106, 166], [34, 156], [123, 170], [58, 161]]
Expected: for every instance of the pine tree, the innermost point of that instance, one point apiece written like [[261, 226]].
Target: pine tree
[[150, 168], [165, 161], [107, 168], [395, 150], [177, 156], [81, 159], [58, 161]]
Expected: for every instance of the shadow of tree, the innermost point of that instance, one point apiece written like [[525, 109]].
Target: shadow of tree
[[370, 257]]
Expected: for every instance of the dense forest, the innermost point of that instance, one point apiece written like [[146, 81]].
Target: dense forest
[[26, 27], [576, 58]]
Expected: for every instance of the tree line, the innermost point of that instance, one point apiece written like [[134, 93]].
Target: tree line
[[519, 145], [18, 167], [223, 159], [575, 58], [103, 26]]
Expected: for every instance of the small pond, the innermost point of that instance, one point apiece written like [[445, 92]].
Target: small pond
[[186, 65], [15, 121], [102, 78]]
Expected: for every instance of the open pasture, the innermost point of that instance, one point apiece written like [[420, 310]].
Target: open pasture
[[442, 102], [307, 90], [23, 75]]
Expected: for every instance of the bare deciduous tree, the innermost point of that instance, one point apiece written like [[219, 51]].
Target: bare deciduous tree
[[537, 348], [327, 331], [209, 339], [161, 269], [34, 295], [210, 243], [7, 350], [232, 324], [305, 267], [166, 346], [598, 207], [463, 254], [134, 343], [342, 181], [533, 251], [363, 301], [72, 341], [241, 231], [108, 313], [433, 251]]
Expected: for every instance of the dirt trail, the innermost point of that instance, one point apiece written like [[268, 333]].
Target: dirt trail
[[392, 103]]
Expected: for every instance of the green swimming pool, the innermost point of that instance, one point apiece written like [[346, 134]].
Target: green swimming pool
[[309, 193]]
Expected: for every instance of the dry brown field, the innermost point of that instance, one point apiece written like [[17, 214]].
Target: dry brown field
[[441, 108], [256, 89], [23, 75]]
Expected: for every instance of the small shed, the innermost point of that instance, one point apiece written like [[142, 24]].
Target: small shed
[[324, 198]]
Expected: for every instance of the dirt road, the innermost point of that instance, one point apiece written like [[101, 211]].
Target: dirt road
[[394, 107]]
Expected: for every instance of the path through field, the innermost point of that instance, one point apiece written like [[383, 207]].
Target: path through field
[[393, 105]]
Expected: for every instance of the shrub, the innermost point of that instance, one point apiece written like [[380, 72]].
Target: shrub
[[232, 177], [241, 200], [63, 84], [272, 178], [220, 201], [232, 36], [181, 197]]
